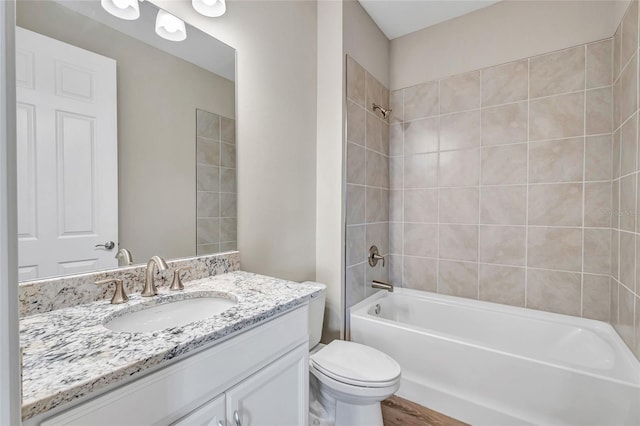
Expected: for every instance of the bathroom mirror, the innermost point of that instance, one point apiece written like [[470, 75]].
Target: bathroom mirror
[[126, 140]]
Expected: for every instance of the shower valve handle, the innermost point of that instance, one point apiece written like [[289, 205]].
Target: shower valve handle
[[374, 256]]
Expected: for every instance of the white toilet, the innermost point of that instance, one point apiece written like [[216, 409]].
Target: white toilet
[[347, 380]]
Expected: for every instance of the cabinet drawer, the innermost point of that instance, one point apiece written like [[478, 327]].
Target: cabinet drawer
[[167, 395]]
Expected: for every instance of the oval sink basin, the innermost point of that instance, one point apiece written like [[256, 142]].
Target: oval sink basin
[[170, 314]]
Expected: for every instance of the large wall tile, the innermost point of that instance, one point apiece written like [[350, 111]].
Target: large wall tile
[[624, 326], [553, 291], [598, 161], [208, 204], [377, 134], [595, 298], [555, 248], [459, 205], [421, 101], [558, 72], [420, 240], [421, 136], [355, 164], [597, 251], [502, 284], [377, 167], [628, 146], [356, 116], [598, 114], [396, 103], [396, 172], [460, 130], [396, 139], [355, 244], [355, 204], [599, 64], [421, 171], [597, 204], [629, 42], [356, 80], [504, 165], [208, 152], [458, 279], [628, 86], [460, 92], [354, 282], [505, 83], [555, 204], [556, 117], [377, 205], [376, 93], [459, 168], [503, 205], [627, 213], [420, 273], [628, 259], [458, 242], [504, 245], [556, 161], [504, 124], [421, 205]]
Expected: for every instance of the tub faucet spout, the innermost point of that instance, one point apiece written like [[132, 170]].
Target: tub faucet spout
[[382, 285]]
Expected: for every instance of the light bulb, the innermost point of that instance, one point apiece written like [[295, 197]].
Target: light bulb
[[123, 9], [210, 8], [169, 27]]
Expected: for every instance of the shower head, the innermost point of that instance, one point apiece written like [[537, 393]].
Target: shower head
[[384, 111]]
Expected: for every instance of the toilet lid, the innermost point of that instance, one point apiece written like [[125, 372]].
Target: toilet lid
[[356, 364]]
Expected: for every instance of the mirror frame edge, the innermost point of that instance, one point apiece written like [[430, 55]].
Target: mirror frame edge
[[10, 364]]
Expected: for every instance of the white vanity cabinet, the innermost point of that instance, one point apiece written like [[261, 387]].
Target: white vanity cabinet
[[257, 378], [272, 396]]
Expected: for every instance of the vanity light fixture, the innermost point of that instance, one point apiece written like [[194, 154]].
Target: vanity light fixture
[[210, 8], [123, 9], [169, 27]]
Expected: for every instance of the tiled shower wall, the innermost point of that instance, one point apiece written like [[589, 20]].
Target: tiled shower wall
[[215, 183], [501, 183], [367, 159], [625, 290]]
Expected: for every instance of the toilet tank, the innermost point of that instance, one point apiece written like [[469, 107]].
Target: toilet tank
[[316, 315]]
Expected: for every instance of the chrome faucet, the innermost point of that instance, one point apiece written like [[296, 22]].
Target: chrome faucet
[[124, 257], [149, 286], [382, 285]]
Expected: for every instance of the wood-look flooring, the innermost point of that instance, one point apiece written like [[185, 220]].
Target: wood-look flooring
[[397, 411]]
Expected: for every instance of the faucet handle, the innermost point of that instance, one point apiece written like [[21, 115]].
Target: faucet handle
[[177, 281], [374, 256], [119, 295]]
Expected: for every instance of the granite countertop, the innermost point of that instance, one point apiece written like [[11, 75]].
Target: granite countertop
[[68, 353]]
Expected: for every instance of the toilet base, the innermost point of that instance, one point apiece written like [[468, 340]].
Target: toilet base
[[358, 415]]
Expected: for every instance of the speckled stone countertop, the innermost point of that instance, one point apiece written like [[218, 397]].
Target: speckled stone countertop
[[68, 353]]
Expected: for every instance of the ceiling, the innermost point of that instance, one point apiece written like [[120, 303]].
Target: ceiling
[[400, 17]]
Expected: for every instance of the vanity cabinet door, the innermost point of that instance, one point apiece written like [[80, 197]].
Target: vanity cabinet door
[[210, 414], [277, 395]]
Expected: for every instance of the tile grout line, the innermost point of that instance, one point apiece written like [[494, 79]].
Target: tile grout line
[[584, 177], [438, 190], [526, 207], [481, 73]]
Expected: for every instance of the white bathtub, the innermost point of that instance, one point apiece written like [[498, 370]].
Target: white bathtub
[[485, 363]]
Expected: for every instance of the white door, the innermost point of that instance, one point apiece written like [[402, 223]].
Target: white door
[[275, 396], [67, 157]]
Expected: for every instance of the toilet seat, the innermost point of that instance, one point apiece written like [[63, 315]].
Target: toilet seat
[[357, 365]]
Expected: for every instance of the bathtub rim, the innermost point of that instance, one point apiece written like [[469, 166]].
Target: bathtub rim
[[361, 309]]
